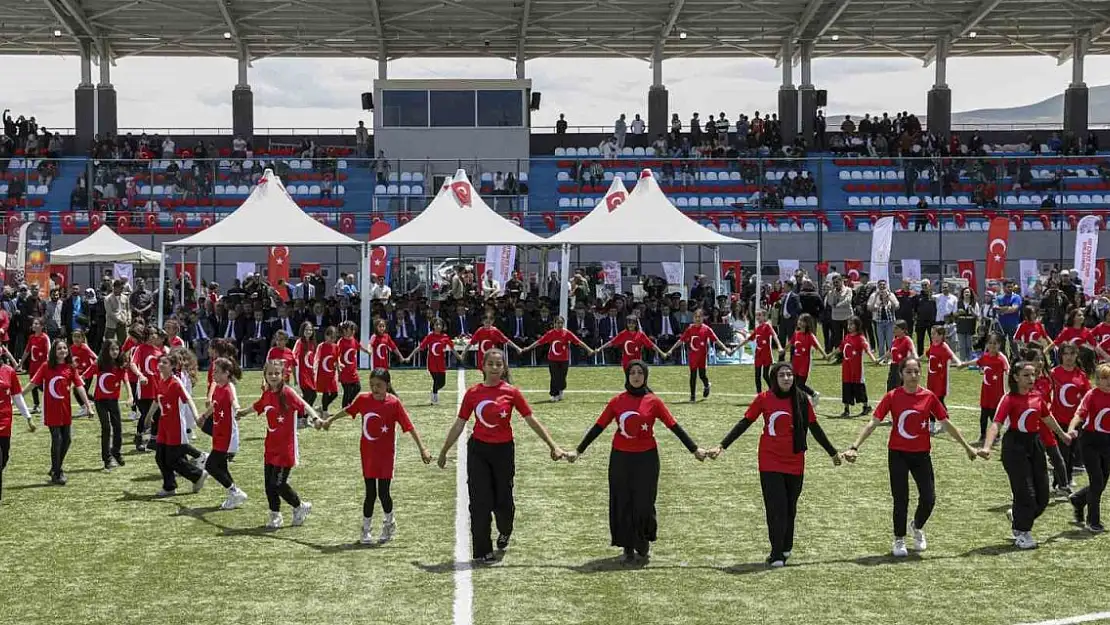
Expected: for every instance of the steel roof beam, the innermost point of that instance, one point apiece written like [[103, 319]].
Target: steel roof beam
[[672, 18], [970, 22]]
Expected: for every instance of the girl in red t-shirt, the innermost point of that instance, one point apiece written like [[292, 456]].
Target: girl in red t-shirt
[[279, 350], [911, 409], [57, 376], [304, 352], [1045, 385], [558, 355], [853, 388], [83, 358], [438, 345], [1095, 443], [382, 415], [171, 400], [901, 348], [327, 369], [348, 348], [631, 341], [107, 377], [634, 460], [221, 421], [11, 392], [486, 338], [764, 337], [801, 347], [994, 366], [381, 345], [35, 354], [1070, 384], [698, 337], [787, 417]]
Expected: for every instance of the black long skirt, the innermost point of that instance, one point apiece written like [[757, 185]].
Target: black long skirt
[[633, 485]]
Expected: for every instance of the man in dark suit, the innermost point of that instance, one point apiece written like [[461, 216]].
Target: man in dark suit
[[256, 340], [232, 328], [583, 324], [462, 323], [403, 330], [520, 327], [198, 333], [664, 329], [286, 323], [608, 327], [319, 319]]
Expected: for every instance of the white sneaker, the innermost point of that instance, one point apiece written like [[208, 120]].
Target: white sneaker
[[816, 399], [1025, 540], [1010, 515], [787, 554], [83, 412], [389, 528], [134, 416], [300, 513], [192, 435], [778, 564], [162, 493], [919, 542], [435, 399], [201, 460], [235, 498], [275, 521], [898, 549], [367, 537], [560, 397], [199, 484]]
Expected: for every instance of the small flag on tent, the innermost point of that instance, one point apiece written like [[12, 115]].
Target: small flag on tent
[[461, 189], [278, 266]]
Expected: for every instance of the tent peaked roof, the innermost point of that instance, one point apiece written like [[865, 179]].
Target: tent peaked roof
[[458, 216], [104, 246], [268, 217], [601, 214], [646, 217]]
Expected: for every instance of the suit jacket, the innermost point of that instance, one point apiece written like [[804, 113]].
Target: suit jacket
[[653, 327], [409, 325], [587, 330], [528, 326], [456, 330], [608, 327], [258, 330], [240, 330], [279, 324], [190, 334], [339, 316]]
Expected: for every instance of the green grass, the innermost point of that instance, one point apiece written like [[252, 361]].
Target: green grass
[[101, 550]]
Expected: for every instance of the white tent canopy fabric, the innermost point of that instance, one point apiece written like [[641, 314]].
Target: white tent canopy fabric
[[104, 246], [646, 217], [458, 216], [269, 216]]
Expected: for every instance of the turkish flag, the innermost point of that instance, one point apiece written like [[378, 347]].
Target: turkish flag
[[997, 238], [852, 269], [549, 221], [822, 268], [615, 199], [463, 193], [734, 265], [13, 221], [69, 223], [179, 225], [95, 221], [279, 267], [379, 228], [967, 272], [60, 274], [1100, 276], [189, 268], [379, 261], [310, 268], [346, 223]]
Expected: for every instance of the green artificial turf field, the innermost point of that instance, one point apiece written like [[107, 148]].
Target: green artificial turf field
[[102, 550]]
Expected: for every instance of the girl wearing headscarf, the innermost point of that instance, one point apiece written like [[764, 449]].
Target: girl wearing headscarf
[[782, 449], [634, 460]]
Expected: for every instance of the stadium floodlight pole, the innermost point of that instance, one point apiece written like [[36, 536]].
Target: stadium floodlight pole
[[564, 277], [161, 285]]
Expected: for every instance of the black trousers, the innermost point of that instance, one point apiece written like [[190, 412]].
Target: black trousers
[[1071, 455], [836, 333], [1024, 460], [1060, 475], [143, 406], [327, 400], [633, 486], [558, 371], [350, 392], [377, 489], [111, 436], [986, 415], [1096, 456], [491, 469], [802, 382], [216, 466], [439, 380], [893, 378], [780, 501], [5, 452], [278, 488], [36, 396], [309, 396], [60, 438], [694, 375], [923, 337], [171, 463], [762, 374], [901, 465]]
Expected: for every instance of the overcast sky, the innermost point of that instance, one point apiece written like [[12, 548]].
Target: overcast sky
[[311, 93]]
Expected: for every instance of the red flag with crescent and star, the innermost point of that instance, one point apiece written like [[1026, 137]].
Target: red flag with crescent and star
[[615, 199], [967, 272], [379, 256], [997, 239], [461, 189], [853, 269], [189, 268], [279, 267]]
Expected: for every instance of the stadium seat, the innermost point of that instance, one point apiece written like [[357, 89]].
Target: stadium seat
[[866, 201], [729, 201], [158, 190], [314, 190], [857, 174], [295, 165], [788, 202], [592, 152], [486, 177], [853, 201], [845, 174], [406, 176], [811, 201], [393, 177], [1072, 199], [392, 189], [627, 151], [902, 201], [417, 176], [340, 189], [522, 176], [706, 202], [342, 164], [404, 189], [608, 176], [244, 189], [379, 189], [219, 190], [560, 152], [680, 202], [1084, 199], [638, 151], [718, 202], [864, 226], [563, 177], [417, 189]]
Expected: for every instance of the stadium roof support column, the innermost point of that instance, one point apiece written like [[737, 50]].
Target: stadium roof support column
[[84, 99], [788, 95], [106, 119], [242, 100], [938, 116], [658, 112], [807, 95], [1076, 97]]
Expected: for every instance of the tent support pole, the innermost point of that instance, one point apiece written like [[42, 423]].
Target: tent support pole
[[564, 277], [364, 303], [196, 283], [161, 286], [182, 280], [717, 268], [682, 270], [758, 277]]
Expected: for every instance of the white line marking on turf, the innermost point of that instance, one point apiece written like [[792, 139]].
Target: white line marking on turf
[[464, 585], [1072, 620]]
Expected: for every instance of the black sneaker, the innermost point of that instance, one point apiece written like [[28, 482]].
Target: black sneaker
[[705, 391], [1077, 511], [644, 550], [845, 414], [489, 558], [502, 542], [1096, 529], [59, 479], [119, 461], [628, 556], [866, 411]]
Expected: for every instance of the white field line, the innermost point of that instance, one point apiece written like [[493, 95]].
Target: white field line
[[464, 585]]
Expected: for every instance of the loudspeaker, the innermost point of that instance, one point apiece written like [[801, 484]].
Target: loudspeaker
[[535, 103], [822, 97], [367, 101]]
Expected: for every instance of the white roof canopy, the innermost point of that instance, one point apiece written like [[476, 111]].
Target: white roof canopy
[[104, 246], [268, 217], [458, 216], [646, 217]]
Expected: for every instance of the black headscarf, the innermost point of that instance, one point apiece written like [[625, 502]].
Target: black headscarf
[[632, 390], [799, 405]]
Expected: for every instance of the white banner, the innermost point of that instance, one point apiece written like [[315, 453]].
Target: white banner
[[612, 271], [911, 270], [673, 273], [553, 267], [1086, 248], [881, 235], [124, 271], [242, 270], [500, 259], [1029, 276], [787, 267]]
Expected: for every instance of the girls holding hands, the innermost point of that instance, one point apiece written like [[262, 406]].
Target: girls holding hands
[[438, 344], [699, 337], [558, 356]]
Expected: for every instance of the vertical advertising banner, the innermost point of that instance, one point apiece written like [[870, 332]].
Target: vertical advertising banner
[[36, 241]]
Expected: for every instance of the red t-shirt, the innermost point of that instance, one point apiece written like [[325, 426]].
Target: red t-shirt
[[225, 427], [776, 444], [560, 341], [282, 448], [170, 395], [910, 414], [631, 345], [56, 383], [635, 417], [699, 337], [762, 336], [1093, 410], [304, 353], [437, 344], [851, 368], [1069, 389], [107, 383], [1046, 389], [900, 349], [1100, 335], [9, 387], [129, 344], [348, 359], [939, 355], [285, 355], [1030, 332], [326, 362], [486, 339], [380, 419], [802, 353], [38, 350], [1075, 336], [175, 341], [1023, 413], [381, 345], [993, 368], [83, 357], [145, 357], [492, 407]]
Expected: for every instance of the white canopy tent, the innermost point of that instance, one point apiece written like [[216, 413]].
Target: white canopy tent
[[104, 246], [268, 217], [643, 217]]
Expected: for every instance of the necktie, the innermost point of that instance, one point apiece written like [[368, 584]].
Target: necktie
[[258, 330], [462, 324], [666, 326], [612, 328], [404, 332], [201, 335], [288, 326], [230, 330], [519, 329]]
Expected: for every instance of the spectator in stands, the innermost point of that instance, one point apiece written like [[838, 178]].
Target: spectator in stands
[[695, 130], [491, 288], [921, 218], [169, 148], [142, 302], [620, 128], [498, 183], [608, 147], [561, 125], [327, 183], [362, 140], [512, 187], [848, 127], [380, 290], [638, 131], [381, 167]]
